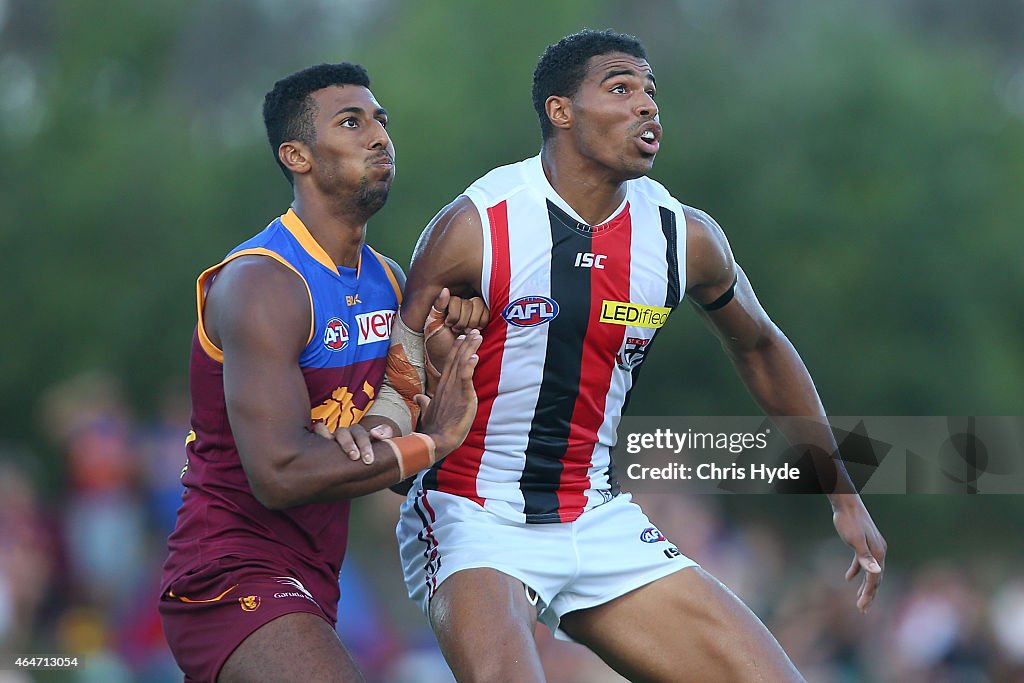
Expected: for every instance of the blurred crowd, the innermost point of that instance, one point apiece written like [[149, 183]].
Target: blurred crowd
[[81, 550]]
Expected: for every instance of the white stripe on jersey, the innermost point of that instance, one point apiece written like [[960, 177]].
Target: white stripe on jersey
[[521, 373]]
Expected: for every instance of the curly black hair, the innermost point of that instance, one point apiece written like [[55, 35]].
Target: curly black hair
[[288, 109], [563, 65]]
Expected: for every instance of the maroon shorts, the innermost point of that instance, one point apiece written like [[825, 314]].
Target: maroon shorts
[[209, 611]]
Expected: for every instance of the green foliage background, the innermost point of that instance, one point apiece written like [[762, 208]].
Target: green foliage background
[[865, 158]]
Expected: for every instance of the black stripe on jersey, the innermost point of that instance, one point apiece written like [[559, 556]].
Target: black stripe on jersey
[[672, 290], [672, 299], [668, 228], [563, 357]]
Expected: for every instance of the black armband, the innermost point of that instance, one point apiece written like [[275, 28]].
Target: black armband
[[726, 297]]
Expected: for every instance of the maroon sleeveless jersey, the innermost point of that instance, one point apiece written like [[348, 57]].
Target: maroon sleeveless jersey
[[343, 366]]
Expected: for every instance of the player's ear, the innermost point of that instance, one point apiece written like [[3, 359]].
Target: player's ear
[[295, 156], [559, 111]]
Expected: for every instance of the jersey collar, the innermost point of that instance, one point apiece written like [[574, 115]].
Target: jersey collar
[[298, 229], [539, 181]]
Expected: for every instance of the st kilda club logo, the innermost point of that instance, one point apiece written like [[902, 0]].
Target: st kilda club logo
[[633, 353], [336, 334]]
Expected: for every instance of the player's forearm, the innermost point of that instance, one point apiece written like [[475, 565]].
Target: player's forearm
[[776, 377], [778, 380], [316, 470], [310, 468]]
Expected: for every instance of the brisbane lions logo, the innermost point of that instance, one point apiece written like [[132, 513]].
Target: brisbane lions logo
[[343, 407], [633, 353], [249, 603]]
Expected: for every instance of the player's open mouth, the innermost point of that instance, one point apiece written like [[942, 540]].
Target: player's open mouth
[[649, 139]]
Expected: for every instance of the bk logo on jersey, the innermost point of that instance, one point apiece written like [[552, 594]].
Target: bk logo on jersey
[[336, 334], [530, 311]]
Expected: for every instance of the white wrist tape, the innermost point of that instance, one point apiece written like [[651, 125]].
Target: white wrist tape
[[392, 406], [404, 377]]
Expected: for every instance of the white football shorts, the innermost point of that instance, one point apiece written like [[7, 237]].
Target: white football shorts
[[607, 552]]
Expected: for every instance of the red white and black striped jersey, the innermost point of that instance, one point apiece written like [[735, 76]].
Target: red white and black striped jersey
[[574, 309]]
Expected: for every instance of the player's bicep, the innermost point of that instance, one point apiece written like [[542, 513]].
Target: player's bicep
[[741, 325], [710, 266], [719, 289], [262, 314], [448, 254]]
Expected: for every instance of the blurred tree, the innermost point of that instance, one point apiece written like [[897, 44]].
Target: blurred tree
[[866, 169], [868, 183]]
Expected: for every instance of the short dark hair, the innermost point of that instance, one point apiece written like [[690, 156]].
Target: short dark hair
[[288, 109], [563, 65]]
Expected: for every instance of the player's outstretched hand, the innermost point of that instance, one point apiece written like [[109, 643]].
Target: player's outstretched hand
[[355, 441], [856, 527], [447, 417]]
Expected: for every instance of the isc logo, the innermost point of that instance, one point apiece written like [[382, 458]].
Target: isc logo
[[585, 259], [530, 311], [336, 334]]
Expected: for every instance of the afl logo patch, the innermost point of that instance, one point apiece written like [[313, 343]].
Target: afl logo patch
[[530, 311], [651, 535], [336, 334]]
